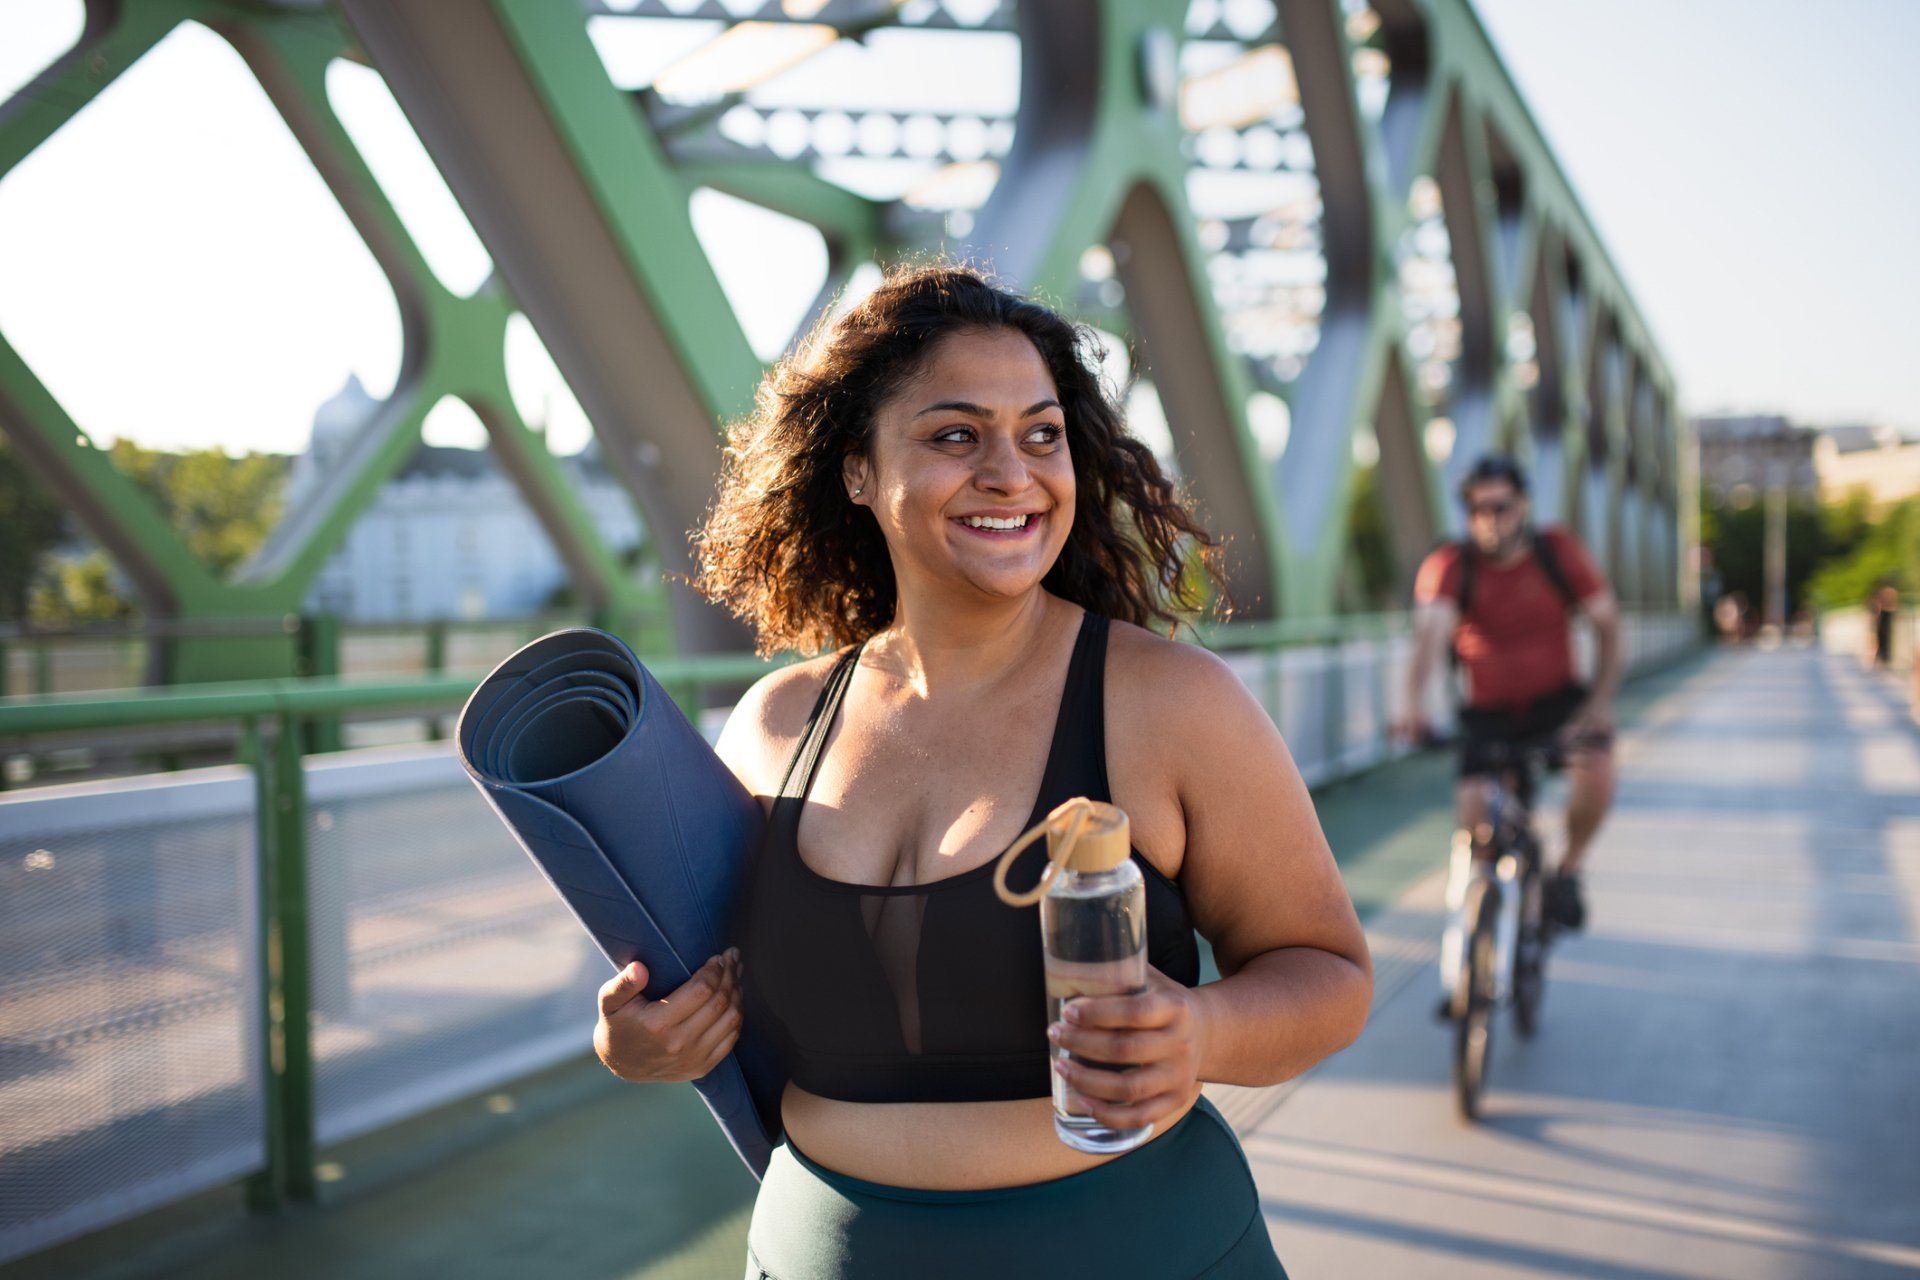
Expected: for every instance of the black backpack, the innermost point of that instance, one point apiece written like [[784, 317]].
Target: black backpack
[[1549, 565]]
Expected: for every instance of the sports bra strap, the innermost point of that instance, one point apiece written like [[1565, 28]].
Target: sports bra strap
[[806, 756], [1077, 761]]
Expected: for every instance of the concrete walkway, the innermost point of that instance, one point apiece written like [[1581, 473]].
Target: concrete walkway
[[1727, 1081]]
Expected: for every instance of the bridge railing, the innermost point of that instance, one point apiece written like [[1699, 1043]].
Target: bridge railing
[[40, 659], [214, 974]]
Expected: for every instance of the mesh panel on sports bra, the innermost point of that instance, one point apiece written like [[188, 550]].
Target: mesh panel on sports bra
[[894, 926]]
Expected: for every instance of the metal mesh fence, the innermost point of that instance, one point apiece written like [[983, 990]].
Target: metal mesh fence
[[1654, 639], [383, 654], [1332, 702], [405, 653], [73, 666], [1305, 713], [442, 962], [1363, 705], [130, 1018], [481, 649]]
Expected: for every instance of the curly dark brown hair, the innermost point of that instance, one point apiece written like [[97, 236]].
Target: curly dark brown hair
[[784, 550]]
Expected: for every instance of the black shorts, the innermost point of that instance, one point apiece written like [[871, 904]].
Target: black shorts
[[1538, 721]]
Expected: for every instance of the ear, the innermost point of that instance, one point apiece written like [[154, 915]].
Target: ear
[[857, 473]]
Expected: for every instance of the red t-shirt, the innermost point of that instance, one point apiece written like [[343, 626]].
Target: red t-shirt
[[1515, 643]]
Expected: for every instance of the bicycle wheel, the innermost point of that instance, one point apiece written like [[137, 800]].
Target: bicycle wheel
[[1529, 960], [1473, 1003]]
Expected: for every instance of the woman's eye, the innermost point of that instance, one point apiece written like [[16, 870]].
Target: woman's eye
[[1047, 433]]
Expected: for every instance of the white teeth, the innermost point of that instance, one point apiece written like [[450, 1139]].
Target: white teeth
[[988, 522]]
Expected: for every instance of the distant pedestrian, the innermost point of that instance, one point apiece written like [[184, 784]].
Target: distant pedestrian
[[1729, 617], [1884, 607]]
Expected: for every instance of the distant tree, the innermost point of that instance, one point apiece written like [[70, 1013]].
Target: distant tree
[[223, 507], [1369, 543], [31, 524], [638, 563], [1885, 549], [71, 591], [1847, 522], [1736, 533]]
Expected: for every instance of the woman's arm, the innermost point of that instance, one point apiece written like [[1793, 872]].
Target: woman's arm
[[1296, 976], [1264, 891]]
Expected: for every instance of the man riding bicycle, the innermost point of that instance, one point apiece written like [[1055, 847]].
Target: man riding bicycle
[[1504, 602]]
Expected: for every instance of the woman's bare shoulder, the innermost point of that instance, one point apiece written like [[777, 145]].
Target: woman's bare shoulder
[[1188, 694], [766, 724], [1153, 671]]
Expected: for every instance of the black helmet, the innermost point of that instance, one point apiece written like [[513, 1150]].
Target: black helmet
[[1493, 466]]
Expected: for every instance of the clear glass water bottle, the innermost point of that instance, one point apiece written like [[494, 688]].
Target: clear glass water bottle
[[1093, 929]]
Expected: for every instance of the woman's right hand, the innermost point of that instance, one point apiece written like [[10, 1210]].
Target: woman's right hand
[[681, 1036]]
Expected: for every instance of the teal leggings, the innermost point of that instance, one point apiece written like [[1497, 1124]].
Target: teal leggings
[[1180, 1208]]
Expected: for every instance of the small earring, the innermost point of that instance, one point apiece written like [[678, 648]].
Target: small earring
[[857, 492]]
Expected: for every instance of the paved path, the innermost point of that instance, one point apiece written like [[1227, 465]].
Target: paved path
[[1727, 1082]]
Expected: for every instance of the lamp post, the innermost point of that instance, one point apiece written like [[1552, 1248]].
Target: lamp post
[[1776, 547]]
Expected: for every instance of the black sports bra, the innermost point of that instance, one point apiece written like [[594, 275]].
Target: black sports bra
[[927, 992]]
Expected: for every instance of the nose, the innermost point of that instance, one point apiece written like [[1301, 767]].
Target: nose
[[1001, 468]]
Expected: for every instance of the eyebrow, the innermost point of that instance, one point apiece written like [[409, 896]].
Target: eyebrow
[[975, 411]]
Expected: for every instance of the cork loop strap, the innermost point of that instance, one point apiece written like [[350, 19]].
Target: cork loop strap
[[1076, 812]]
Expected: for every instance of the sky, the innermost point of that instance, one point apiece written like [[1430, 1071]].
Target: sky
[[1751, 166], [173, 269], [176, 272]]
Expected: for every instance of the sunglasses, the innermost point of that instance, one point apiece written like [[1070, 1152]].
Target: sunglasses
[[1497, 507]]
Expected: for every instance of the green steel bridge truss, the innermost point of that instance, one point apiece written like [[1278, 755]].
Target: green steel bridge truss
[[580, 191]]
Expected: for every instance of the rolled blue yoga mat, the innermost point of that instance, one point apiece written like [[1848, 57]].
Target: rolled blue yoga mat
[[635, 822]]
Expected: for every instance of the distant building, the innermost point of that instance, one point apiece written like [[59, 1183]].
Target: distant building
[[1876, 461], [1740, 455], [449, 536]]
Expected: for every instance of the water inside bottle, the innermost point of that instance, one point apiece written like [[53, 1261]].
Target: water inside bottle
[[1095, 946]]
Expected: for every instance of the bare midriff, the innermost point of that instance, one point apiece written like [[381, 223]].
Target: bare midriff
[[938, 1146]]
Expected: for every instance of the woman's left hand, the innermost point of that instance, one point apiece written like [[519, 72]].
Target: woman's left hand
[[1157, 1037]]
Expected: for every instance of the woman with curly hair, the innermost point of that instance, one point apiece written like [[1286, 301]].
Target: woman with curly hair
[[939, 486]]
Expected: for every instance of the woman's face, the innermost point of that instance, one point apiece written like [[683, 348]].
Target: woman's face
[[968, 473]]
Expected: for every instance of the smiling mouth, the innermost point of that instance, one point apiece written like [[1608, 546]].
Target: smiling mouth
[[1002, 528]]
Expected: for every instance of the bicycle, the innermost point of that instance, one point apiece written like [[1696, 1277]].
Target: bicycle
[[1503, 932]]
